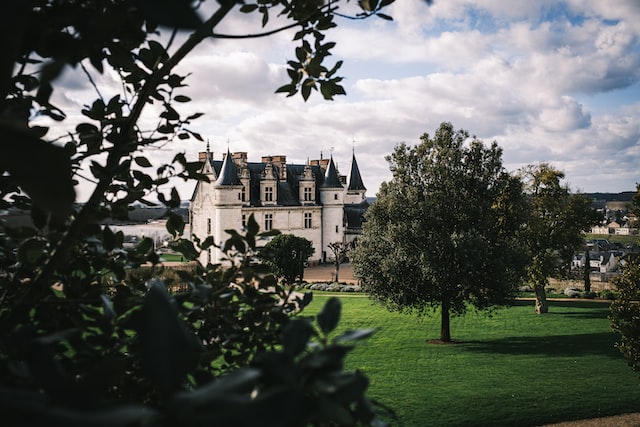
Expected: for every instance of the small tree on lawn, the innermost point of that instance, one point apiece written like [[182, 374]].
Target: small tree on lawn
[[555, 222], [444, 231], [287, 255], [339, 251]]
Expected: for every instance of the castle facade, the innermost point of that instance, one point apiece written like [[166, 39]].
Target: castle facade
[[311, 200]]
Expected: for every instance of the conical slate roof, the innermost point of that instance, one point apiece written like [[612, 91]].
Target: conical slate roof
[[331, 177], [355, 179], [228, 172]]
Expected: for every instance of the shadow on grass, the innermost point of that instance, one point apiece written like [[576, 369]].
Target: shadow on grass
[[552, 345], [572, 308]]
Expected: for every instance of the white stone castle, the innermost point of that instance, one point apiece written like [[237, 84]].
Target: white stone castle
[[312, 200]]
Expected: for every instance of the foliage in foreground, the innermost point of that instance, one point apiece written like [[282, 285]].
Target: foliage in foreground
[[86, 342], [226, 352]]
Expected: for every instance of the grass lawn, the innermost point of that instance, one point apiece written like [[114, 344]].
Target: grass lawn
[[513, 369]]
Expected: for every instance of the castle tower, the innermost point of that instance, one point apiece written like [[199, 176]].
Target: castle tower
[[332, 200], [355, 188], [227, 203], [201, 206]]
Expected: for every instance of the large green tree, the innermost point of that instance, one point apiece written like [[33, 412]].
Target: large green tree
[[444, 231], [556, 221], [87, 340], [288, 254]]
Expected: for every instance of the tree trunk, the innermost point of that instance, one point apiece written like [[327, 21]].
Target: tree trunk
[[337, 271], [445, 330], [587, 270], [541, 300]]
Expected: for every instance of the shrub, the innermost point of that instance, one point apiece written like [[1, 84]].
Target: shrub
[[572, 292], [607, 294]]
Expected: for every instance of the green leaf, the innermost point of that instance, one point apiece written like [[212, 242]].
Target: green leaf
[[248, 8], [296, 336], [186, 248], [166, 346], [329, 316], [143, 162], [175, 224], [31, 250]]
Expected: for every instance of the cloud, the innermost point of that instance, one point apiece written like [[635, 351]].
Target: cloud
[[534, 76]]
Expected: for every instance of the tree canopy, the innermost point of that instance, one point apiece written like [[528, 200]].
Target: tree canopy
[[443, 232], [287, 254], [555, 222]]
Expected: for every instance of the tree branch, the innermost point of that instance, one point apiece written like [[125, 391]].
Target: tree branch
[[125, 146]]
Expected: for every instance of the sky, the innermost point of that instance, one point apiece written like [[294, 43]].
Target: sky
[[549, 81]]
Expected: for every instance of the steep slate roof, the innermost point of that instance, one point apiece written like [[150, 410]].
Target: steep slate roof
[[289, 189], [331, 177], [355, 179], [229, 173], [355, 214]]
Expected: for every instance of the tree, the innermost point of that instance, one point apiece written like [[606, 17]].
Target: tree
[[287, 255], [554, 225], [339, 251], [625, 309], [443, 232], [80, 328]]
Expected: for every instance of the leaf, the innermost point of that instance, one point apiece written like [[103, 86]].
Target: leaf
[[175, 224], [171, 13], [166, 346], [248, 8], [181, 98], [383, 16], [186, 248], [31, 250], [42, 170], [329, 316], [296, 336], [143, 162]]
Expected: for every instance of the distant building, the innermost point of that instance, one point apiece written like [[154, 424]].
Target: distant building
[[309, 200]]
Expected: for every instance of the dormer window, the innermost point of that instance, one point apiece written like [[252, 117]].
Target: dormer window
[[307, 194], [268, 194]]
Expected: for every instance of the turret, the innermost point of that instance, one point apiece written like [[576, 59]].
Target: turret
[[355, 188]]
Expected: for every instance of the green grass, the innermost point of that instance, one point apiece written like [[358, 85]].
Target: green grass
[[614, 238], [515, 368], [172, 257]]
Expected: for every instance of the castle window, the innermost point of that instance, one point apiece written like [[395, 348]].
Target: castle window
[[268, 194], [335, 197], [307, 194], [244, 220], [336, 229], [244, 194], [208, 225], [268, 222], [307, 220]]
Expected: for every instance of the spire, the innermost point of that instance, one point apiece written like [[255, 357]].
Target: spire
[[355, 179], [228, 172], [331, 177]]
